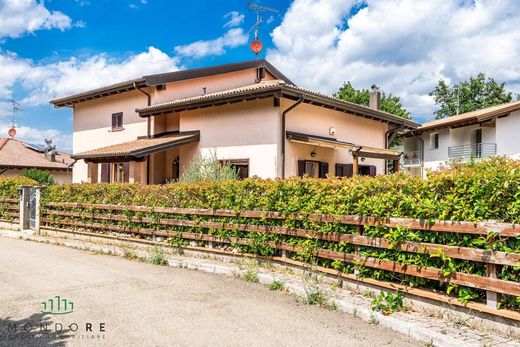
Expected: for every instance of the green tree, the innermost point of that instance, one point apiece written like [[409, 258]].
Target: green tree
[[466, 96], [208, 168], [389, 103], [42, 177]]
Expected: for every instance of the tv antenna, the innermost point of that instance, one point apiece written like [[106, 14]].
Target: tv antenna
[[256, 45], [15, 107]]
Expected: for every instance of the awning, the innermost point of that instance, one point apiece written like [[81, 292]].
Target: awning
[[138, 149], [354, 149]]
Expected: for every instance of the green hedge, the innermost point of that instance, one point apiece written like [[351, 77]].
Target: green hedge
[[487, 190], [9, 186]]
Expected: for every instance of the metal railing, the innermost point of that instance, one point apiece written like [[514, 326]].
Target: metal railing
[[473, 151], [412, 158]]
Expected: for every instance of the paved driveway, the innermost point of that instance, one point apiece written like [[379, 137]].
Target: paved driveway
[[128, 303]]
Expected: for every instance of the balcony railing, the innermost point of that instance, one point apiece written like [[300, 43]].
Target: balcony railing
[[412, 158], [473, 151]]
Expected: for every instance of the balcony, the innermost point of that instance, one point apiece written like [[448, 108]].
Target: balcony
[[473, 151], [412, 158]]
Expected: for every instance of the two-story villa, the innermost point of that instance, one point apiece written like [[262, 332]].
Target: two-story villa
[[147, 130], [473, 135]]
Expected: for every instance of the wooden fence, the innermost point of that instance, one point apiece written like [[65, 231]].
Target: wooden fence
[[199, 225], [9, 210]]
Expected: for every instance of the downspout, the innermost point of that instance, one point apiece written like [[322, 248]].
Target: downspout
[[284, 115], [148, 130]]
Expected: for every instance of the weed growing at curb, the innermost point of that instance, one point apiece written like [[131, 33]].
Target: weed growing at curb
[[277, 285], [251, 275], [388, 303], [157, 257]]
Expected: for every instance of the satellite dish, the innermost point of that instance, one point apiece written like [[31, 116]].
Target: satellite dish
[[12, 132], [256, 46]]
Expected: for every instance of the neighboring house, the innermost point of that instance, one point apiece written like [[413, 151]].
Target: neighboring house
[[17, 156], [148, 130], [473, 135]]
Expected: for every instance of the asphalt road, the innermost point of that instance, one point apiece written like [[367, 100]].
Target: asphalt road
[[128, 303]]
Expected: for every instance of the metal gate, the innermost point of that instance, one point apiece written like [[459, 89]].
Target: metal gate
[[32, 208]]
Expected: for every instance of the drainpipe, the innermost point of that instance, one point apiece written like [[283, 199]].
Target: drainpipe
[[284, 114], [148, 130]]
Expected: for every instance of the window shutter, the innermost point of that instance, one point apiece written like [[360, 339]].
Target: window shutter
[[344, 170], [324, 169], [373, 171], [114, 121], [301, 168], [340, 168], [105, 172]]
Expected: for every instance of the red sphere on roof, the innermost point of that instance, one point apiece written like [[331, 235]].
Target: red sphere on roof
[[12, 132], [256, 46]]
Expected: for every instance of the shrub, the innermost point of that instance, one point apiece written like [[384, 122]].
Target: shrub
[[208, 168], [42, 177], [277, 285], [9, 186]]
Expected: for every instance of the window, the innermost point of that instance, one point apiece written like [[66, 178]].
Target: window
[[115, 172], [117, 121], [241, 167], [313, 168], [434, 141]]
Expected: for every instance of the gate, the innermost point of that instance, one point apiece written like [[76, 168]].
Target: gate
[[32, 208]]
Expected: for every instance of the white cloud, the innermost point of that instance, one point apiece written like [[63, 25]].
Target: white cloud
[[232, 38], [235, 19], [405, 46], [27, 134], [45, 81], [18, 17]]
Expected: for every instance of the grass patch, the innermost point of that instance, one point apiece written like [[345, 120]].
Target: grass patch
[[277, 285]]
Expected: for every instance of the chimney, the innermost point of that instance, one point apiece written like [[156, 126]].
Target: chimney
[[375, 98]]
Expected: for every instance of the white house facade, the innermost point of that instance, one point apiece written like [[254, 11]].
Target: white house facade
[[480, 134]]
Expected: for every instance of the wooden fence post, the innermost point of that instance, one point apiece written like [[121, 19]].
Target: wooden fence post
[[359, 231]]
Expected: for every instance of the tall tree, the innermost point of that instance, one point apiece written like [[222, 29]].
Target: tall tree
[[389, 103], [466, 96]]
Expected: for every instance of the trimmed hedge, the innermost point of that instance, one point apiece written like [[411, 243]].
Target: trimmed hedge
[[9, 186], [487, 190]]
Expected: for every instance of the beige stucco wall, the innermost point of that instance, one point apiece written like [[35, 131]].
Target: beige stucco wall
[[314, 120], [237, 131], [217, 83], [58, 176], [93, 123]]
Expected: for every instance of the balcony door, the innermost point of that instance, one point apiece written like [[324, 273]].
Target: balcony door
[[477, 149]]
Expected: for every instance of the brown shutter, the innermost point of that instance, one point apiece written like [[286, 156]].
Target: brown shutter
[[126, 171], [339, 170], [301, 168], [105, 172], [373, 171], [324, 169], [114, 121]]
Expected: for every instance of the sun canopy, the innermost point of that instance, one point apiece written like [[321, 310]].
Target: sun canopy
[[355, 150], [137, 149]]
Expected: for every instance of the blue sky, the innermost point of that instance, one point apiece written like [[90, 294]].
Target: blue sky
[[59, 47]]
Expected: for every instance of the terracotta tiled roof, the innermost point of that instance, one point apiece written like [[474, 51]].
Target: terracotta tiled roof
[[140, 147], [15, 154], [276, 86], [472, 117]]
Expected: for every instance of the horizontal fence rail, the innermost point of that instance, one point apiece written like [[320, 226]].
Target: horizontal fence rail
[[202, 226], [346, 239]]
